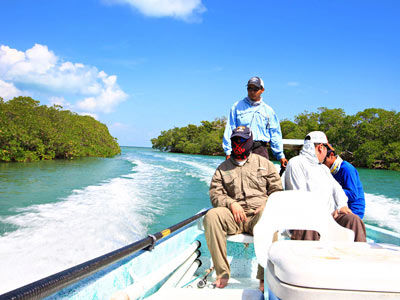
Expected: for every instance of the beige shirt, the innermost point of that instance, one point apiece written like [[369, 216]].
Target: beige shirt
[[249, 185]]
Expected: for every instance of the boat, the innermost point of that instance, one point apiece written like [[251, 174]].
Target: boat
[[176, 264]]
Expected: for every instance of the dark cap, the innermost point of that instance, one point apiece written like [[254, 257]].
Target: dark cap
[[242, 131], [256, 81]]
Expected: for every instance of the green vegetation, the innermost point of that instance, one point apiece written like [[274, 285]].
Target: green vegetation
[[32, 132], [204, 139], [370, 138]]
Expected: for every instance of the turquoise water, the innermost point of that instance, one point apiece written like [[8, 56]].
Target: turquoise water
[[56, 214]]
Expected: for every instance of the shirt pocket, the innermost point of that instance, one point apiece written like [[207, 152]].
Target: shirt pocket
[[262, 121], [232, 185], [244, 117], [259, 180]]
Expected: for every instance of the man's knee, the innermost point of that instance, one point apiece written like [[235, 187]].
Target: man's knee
[[213, 216], [348, 219], [353, 222]]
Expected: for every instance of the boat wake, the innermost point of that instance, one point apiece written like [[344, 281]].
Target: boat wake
[[90, 222], [382, 211]]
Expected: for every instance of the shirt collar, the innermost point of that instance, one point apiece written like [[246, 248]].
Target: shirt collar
[[336, 165], [253, 103]]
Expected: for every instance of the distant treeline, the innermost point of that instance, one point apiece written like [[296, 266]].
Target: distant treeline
[[32, 132], [370, 138]]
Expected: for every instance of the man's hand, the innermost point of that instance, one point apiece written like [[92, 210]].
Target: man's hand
[[284, 162], [344, 210], [238, 213], [228, 157]]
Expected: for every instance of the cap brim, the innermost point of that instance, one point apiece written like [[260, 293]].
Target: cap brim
[[330, 147]]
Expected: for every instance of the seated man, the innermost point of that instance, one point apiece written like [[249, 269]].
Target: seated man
[[239, 191], [306, 172], [348, 178]]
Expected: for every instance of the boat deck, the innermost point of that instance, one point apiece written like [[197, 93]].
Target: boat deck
[[238, 288]]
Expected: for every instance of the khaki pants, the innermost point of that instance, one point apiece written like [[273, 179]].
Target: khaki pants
[[218, 223]]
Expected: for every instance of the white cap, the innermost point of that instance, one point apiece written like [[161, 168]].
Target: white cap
[[317, 137]]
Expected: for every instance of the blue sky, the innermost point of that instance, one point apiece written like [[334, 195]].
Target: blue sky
[[142, 66]]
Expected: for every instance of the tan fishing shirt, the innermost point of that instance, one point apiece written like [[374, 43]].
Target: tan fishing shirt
[[249, 185]]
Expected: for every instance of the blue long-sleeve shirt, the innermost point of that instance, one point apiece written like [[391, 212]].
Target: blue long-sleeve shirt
[[262, 121], [348, 178]]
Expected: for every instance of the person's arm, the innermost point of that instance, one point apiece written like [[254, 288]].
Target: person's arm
[[276, 138], [350, 185], [230, 125], [218, 194], [339, 196], [354, 192], [273, 180]]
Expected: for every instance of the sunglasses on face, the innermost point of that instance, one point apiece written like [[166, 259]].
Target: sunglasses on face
[[254, 89]]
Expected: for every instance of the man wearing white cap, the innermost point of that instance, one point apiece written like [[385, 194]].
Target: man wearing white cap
[[307, 172], [260, 118]]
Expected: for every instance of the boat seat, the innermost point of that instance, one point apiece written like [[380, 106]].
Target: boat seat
[[333, 268], [295, 210], [241, 238]]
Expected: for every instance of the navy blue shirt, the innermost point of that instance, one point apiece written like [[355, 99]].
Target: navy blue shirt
[[348, 178]]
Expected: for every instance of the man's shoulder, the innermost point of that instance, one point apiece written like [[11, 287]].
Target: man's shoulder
[[267, 108], [295, 160], [226, 165], [347, 167], [240, 104], [261, 161]]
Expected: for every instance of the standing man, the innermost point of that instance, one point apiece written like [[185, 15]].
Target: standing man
[[307, 172], [262, 120], [239, 191], [348, 178]]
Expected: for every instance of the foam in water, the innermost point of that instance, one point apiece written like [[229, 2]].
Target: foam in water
[[383, 211], [88, 223], [199, 170]]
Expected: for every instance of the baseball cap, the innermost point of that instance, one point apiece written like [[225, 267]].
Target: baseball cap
[[242, 131], [318, 137], [256, 81]]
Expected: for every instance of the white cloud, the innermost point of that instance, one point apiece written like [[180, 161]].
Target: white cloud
[[89, 114], [293, 83], [40, 68], [60, 101], [9, 91], [187, 10]]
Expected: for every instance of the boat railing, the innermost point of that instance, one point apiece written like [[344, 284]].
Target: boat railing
[[53, 283]]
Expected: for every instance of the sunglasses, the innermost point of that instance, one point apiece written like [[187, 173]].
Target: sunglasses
[[254, 89]]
